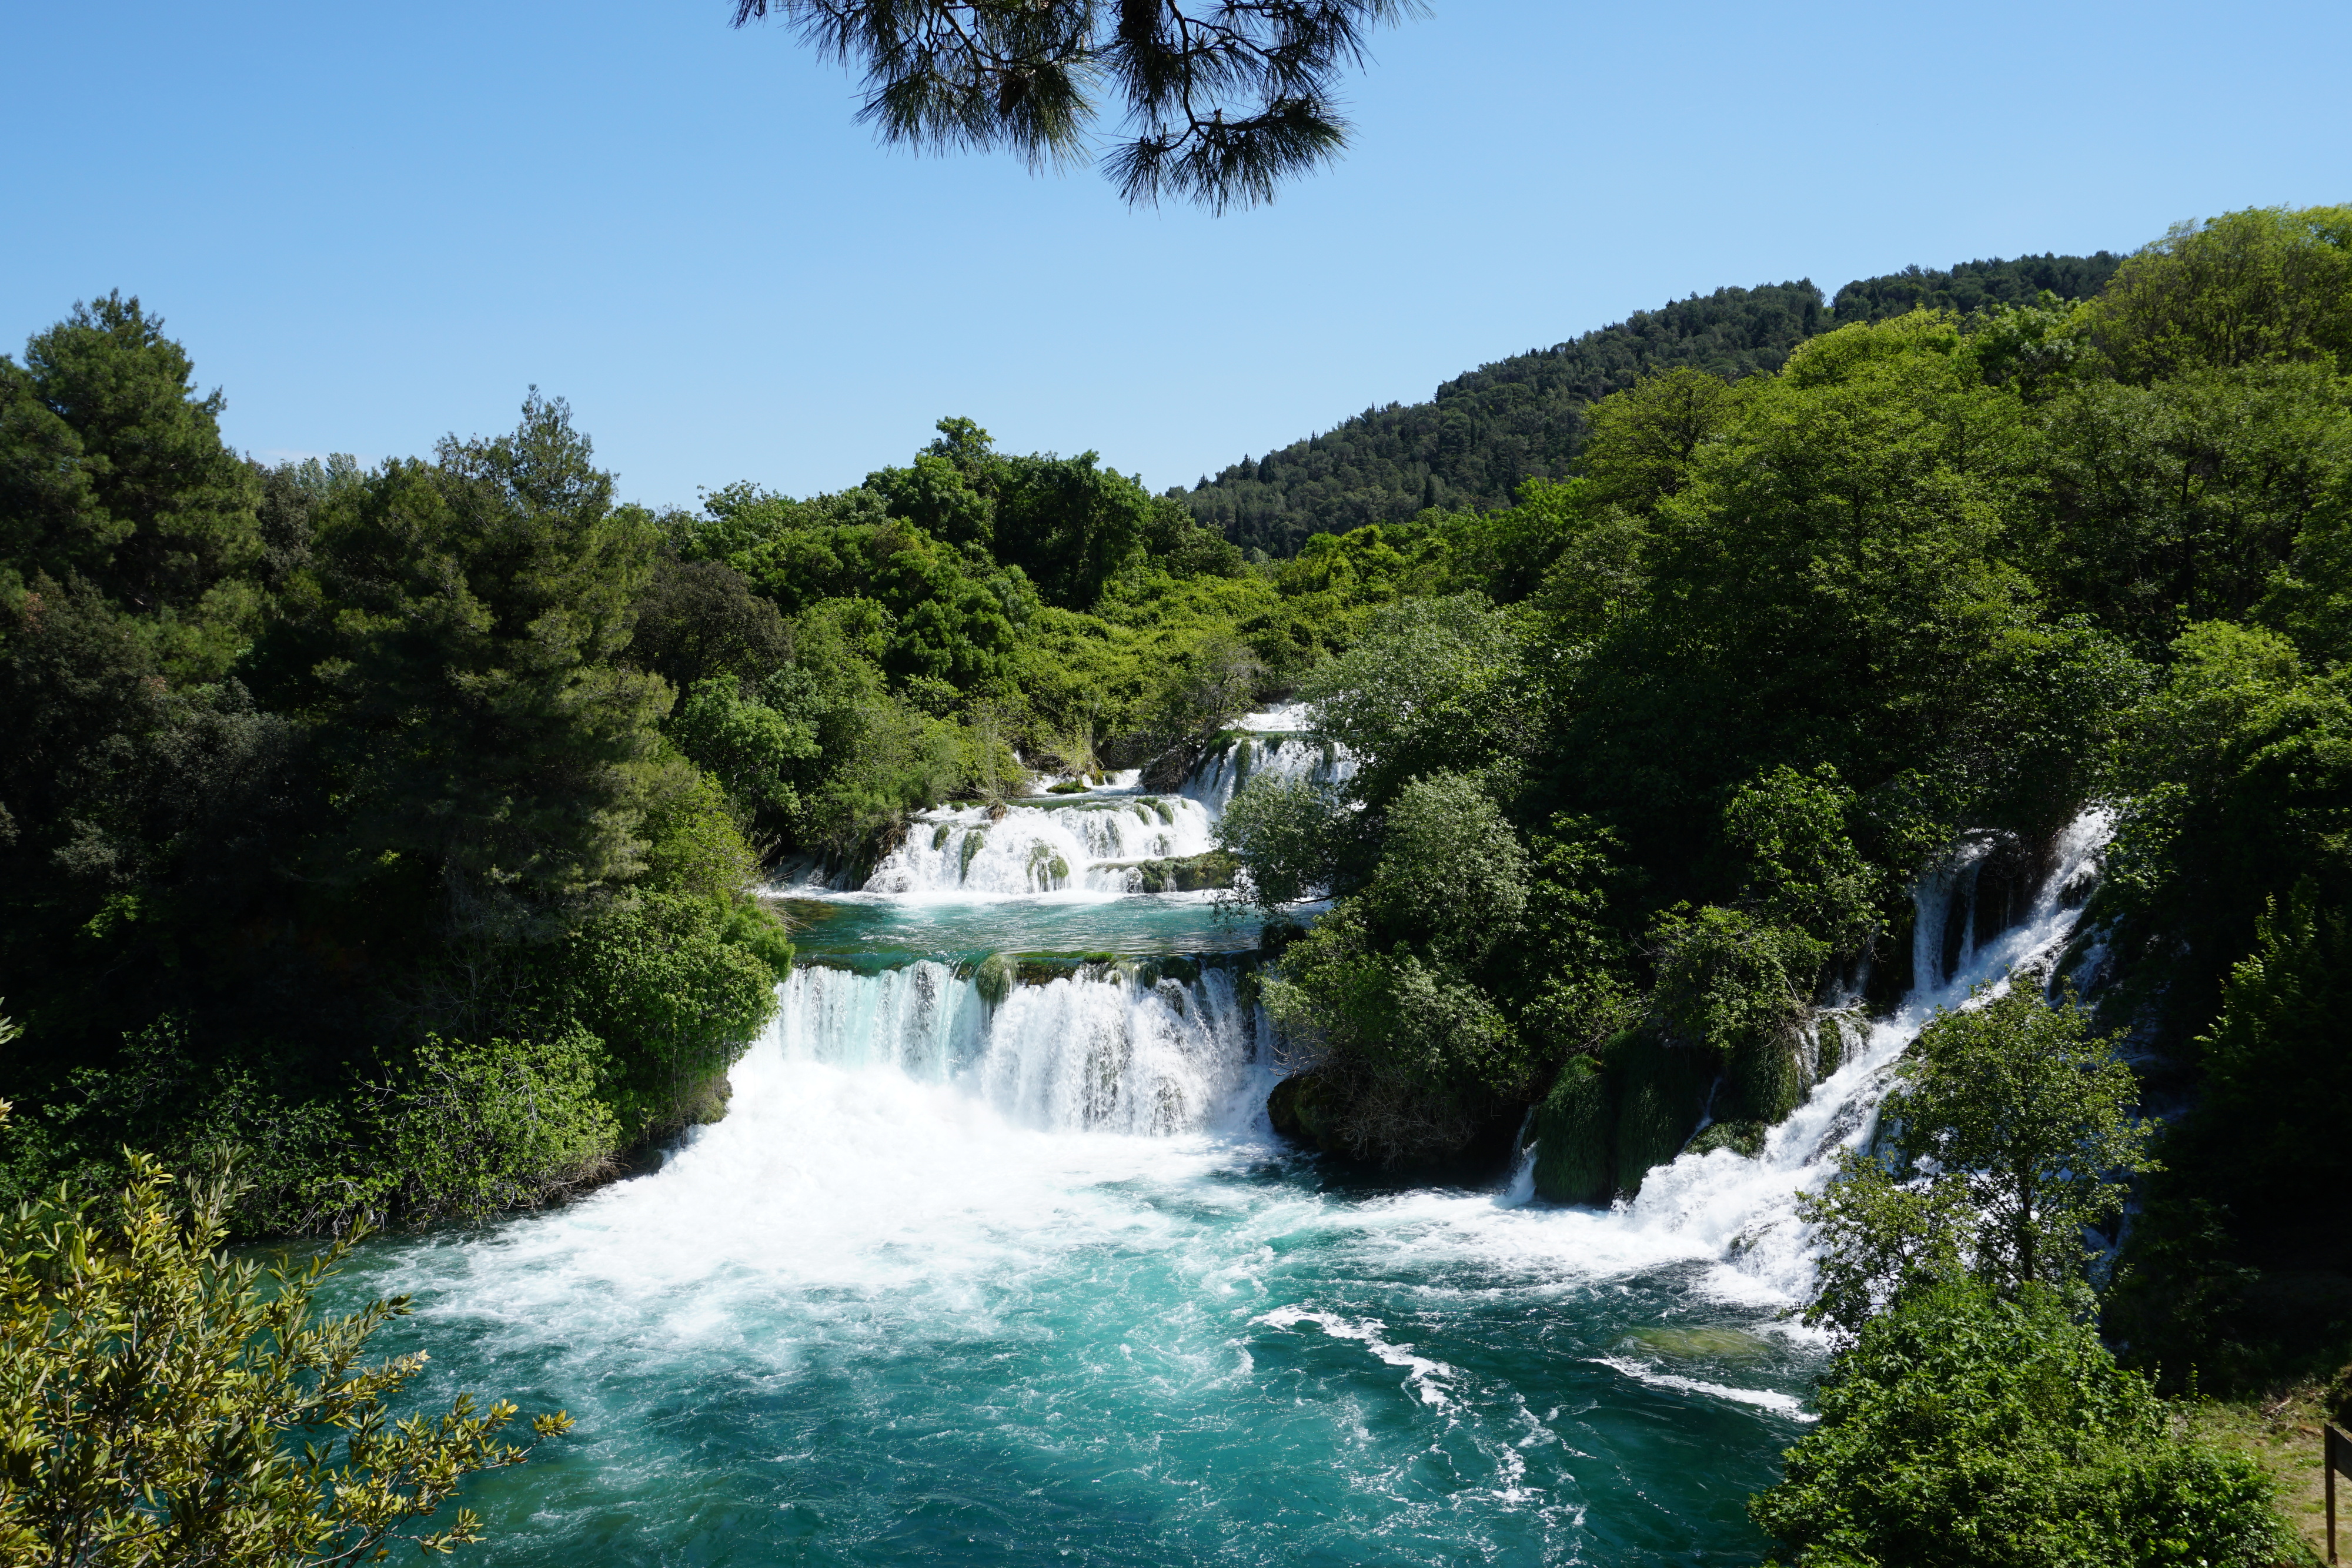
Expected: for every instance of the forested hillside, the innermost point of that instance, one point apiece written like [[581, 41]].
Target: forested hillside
[[1488, 432]]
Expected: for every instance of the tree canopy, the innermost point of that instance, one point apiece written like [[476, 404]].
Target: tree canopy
[[1219, 103]]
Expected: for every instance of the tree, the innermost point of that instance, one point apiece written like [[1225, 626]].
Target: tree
[[2265, 283], [112, 470], [456, 651], [162, 1403], [1225, 100], [2007, 1131]]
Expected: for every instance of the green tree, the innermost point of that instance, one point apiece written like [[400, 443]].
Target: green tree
[[456, 653], [112, 472], [2012, 1123], [2265, 283], [163, 1403], [1222, 103], [1966, 1429], [676, 990], [2178, 501]]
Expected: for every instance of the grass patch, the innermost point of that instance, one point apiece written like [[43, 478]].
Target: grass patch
[[2280, 1432]]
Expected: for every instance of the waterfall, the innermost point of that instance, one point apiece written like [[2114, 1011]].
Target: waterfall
[[1109, 1048], [1741, 1212], [977, 1254], [1284, 755], [1090, 845]]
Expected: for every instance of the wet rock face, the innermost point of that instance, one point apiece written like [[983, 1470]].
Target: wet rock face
[[1296, 1110]]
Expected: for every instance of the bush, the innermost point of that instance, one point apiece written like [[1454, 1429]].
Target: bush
[[674, 1001], [1967, 1431], [465, 1130], [154, 1396]]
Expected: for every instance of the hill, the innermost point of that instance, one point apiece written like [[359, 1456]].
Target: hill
[[1486, 431]]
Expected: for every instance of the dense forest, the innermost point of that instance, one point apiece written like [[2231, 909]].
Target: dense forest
[[386, 834], [1491, 430]]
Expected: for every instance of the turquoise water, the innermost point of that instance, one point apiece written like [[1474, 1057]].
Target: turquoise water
[[869, 1319], [1034, 1284], [873, 933]]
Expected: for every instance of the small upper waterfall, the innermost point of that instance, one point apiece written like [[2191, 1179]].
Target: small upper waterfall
[[1091, 844], [1285, 755]]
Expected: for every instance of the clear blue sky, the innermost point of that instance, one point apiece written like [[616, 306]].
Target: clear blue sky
[[374, 224]]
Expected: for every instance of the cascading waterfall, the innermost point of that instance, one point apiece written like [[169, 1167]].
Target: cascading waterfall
[[1028, 1280], [1221, 774], [1109, 1048], [1090, 845], [1743, 1211]]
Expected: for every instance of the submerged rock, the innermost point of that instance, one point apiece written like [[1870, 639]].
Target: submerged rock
[[1702, 1344], [1296, 1110]]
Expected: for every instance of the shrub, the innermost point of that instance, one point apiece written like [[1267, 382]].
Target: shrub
[[152, 1392], [1968, 1431]]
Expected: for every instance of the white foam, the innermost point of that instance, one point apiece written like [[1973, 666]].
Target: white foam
[[1762, 1398], [1425, 1377]]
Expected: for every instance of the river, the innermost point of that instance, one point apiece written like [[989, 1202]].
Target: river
[[1034, 1283]]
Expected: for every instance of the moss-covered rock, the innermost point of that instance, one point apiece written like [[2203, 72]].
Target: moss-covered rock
[[1662, 1094], [1572, 1129], [1296, 1110], [1189, 873], [994, 979], [1764, 1078], [1743, 1138], [1829, 1045]]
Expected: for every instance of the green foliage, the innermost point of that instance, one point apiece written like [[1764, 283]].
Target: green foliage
[[1431, 686], [2238, 765], [1408, 1055], [2233, 1269], [1803, 869], [112, 473], [2009, 1135], [1068, 525], [994, 979], [162, 1403], [2278, 1082], [1220, 104], [1969, 1429], [1487, 432], [1288, 833], [1828, 586], [675, 989], [743, 743], [1451, 875], [1974, 287], [464, 1130], [2176, 502], [1734, 988], [2267, 284], [453, 650]]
